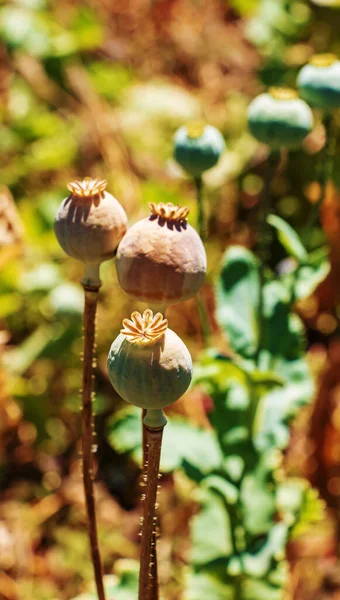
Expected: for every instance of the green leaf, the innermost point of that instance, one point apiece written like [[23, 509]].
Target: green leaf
[[282, 330], [288, 238], [308, 277], [184, 445], [258, 563], [300, 504], [255, 589], [277, 408], [207, 586], [210, 530], [237, 296], [225, 489], [258, 503]]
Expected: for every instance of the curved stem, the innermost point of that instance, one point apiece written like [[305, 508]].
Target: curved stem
[[91, 296], [153, 439], [324, 174], [272, 162]]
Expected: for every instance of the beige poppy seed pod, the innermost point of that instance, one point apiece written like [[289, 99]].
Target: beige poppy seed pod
[[90, 223], [161, 259]]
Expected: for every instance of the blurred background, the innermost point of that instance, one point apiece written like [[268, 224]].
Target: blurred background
[[98, 88]]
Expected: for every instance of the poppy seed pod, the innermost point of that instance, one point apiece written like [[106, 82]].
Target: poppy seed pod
[[280, 118], [148, 364], [90, 222], [198, 147], [319, 81], [161, 259]]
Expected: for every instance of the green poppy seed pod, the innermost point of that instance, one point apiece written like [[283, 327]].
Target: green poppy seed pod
[[319, 82], [280, 118], [161, 259], [148, 364], [198, 147], [90, 222]]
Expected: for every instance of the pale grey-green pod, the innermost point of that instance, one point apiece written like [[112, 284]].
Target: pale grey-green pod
[[148, 364]]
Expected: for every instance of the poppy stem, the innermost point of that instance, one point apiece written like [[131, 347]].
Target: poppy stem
[[201, 222], [153, 590], [153, 439], [91, 297], [272, 162], [326, 162]]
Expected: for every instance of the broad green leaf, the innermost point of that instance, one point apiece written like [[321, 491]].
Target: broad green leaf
[[258, 503], [288, 238], [308, 277], [210, 530], [258, 560], [257, 589], [237, 296], [301, 280], [226, 490], [277, 408], [184, 445], [207, 586], [282, 329], [300, 504]]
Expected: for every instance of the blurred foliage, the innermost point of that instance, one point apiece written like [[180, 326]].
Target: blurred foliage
[[99, 89]]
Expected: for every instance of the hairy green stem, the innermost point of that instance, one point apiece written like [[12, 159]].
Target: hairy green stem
[[324, 174], [91, 296]]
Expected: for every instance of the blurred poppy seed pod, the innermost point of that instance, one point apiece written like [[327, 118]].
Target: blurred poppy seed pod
[[161, 259], [90, 222], [319, 81], [148, 364], [280, 118], [198, 147]]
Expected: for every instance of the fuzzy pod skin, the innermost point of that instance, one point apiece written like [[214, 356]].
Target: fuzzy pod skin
[[198, 147], [280, 119], [161, 259], [148, 372], [90, 222], [319, 82]]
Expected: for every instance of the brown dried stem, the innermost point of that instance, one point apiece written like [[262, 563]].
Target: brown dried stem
[[153, 442], [153, 590], [91, 296]]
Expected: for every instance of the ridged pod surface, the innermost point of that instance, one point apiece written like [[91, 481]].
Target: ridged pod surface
[[198, 147], [162, 259], [319, 82], [90, 222], [279, 118], [148, 364]]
